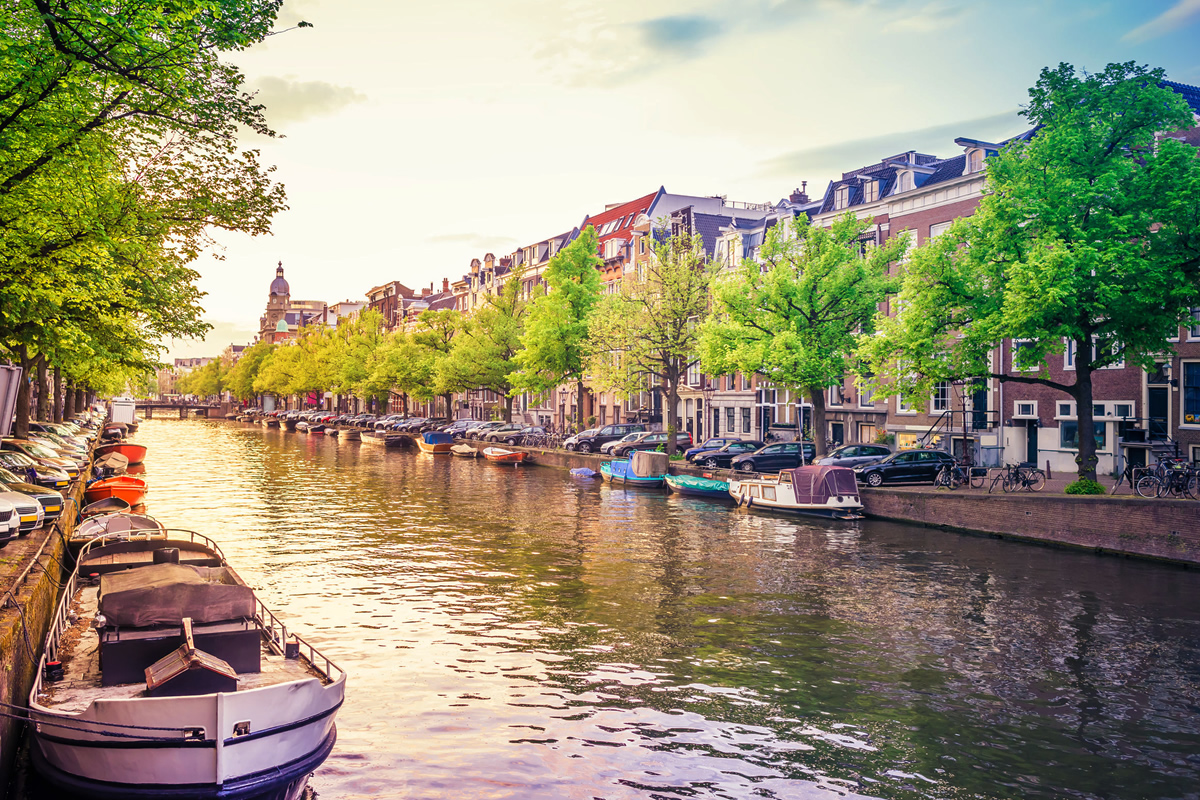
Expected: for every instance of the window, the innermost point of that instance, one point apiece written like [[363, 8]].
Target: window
[[1069, 354], [1191, 393], [975, 161], [1194, 328], [941, 396], [1026, 409], [1123, 410], [1066, 409], [910, 237], [1018, 361], [731, 419], [1069, 434], [870, 191], [866, 398], [716, 412], [836, 395], [745, 420], [905, 182], [938, 229], [903, 406], [841, 197]]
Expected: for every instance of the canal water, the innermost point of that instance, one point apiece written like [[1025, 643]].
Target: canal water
[[517, 633]]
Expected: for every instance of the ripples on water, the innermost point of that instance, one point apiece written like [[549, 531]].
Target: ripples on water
[[515, 633]]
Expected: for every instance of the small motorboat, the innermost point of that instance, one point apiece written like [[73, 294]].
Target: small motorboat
[[350, 435], [501, 456], [302, 426], [385, 438], [698, 486], [435, 442], [119, 525], [821, 491], [109, 505], [165, 676], [642, 468], [464, 451], [330, 431], [127, 487], [136, 453], [110, 464], [270, 422]]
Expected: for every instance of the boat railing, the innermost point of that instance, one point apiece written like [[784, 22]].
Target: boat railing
[[277, 637], [147, 535]]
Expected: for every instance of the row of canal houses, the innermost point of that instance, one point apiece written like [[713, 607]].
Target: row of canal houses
[[1139, 413]]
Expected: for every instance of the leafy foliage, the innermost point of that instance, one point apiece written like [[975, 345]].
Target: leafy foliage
[[1085, 486]]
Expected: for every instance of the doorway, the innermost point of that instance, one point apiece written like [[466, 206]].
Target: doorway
[[837, 433], [1156, 409], [1031, 441]]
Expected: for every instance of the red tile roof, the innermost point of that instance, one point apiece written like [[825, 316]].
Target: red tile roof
[[623, 215]]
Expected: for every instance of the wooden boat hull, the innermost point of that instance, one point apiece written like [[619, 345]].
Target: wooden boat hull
[[136, 453], [386, 440], [441, 448], [499, 455]]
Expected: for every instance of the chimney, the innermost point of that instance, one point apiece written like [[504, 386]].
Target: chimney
[[425, 292], [800, 196], [445, 284]]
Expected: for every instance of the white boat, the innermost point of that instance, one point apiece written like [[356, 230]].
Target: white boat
[[823, 491], [202, 694]]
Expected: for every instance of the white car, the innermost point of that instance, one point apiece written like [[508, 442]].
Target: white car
[[29, 512], [10, 522]]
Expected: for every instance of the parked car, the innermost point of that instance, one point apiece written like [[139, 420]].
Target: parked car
[[713, 443], [33, 471], [50, 500], [482, 429], [722, 457], [570, 442], [852, 455], [609, 433], [503, 431], [42, 454], [652, 441], [907, 466], [774, 457], [607, 447], [518, 437], [460, 426], [433, 424]]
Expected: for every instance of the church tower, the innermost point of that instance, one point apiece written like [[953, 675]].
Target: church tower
[[278, 301]]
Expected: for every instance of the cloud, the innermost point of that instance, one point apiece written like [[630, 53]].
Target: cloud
[[290, 100], [930, 18], [845, 156], [681, 34], [476, 241], [1174, 18], [223, 333]]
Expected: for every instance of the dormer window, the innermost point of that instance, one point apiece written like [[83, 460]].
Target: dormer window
[[870, 191], [841, 197], [975, 161], [905, 183]]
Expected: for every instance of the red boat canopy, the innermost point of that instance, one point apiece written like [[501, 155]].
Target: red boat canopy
[[815, 485]]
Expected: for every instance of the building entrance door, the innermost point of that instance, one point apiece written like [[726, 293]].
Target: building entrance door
[[1156, 410], [1031, 441]]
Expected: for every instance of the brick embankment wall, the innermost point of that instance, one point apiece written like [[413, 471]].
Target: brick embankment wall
[[37, 598], [1159, 529]]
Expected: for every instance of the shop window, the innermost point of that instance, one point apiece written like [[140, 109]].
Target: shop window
[[1191, 393], [1069, 434]]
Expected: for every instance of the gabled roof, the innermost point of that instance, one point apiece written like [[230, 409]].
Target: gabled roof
[[623, 216]]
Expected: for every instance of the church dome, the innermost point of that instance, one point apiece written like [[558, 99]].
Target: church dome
[[280, 285], [282, 326]]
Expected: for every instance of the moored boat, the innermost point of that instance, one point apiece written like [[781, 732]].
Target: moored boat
[[642, 468], [171, 679], [117, 524], [698, 486], [384, 438], [822, 491], [127, 487], [464, 451], [501, 456], [107, 505], [350, 435], [136, 453], [435, 442]]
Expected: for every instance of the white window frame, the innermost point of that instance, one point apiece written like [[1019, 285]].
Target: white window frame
[[1193, 331], [837, 395], [870, 191], [866, 398], [841, 198], [934, 405], [1017, 409], [938, 228], [902, 407]]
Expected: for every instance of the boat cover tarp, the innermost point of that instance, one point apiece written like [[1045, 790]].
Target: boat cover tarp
[[437, 437], [163, 594], [693, 482], [815, 485], [92, 527], [112, 461], [583, 472], [648, 464]]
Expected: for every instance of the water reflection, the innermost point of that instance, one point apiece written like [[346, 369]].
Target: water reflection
[[517, 633]]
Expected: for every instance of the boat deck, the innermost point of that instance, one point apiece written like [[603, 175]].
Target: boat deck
[[79, 652]]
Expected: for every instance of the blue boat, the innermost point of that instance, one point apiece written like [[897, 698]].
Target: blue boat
[[435, 442], [643, 468], [698, 487]]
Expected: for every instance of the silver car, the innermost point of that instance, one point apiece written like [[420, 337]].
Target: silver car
[[852, 455]]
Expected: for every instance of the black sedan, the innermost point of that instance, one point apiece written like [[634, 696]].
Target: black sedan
[[907, 466], [720, 458], [774, 457]]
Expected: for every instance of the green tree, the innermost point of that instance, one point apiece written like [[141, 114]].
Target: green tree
[[240, 380], [483, 353], [650, 328], [1087, 238], [554, 347], [795, 317]]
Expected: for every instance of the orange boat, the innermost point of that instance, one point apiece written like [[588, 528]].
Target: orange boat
[[128, 488], [502, 456], [136, 453]]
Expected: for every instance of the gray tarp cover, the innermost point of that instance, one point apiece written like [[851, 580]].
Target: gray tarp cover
[[648, 464], [113, 460], [163, 594]]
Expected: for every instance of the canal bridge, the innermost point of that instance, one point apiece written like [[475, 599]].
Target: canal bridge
[[201, 408]]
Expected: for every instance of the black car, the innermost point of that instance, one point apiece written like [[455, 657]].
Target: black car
[[516, 437], [721, 457], [608, 433], [907, 466], [774, 457]]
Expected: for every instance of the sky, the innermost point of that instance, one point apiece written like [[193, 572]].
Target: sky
[[417, 136]]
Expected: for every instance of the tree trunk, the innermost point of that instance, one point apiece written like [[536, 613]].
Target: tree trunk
[[21, 424], [449, 398], [43, 398], [579, 405], [58, 395], [508, 401], [817, 398], [670, 411], [1083, 412], [69, 400]]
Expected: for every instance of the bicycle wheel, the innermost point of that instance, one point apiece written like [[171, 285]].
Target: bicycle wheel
[[977, 481], [1035, 481], [1147, 486], [942, 481], [1192, 487]]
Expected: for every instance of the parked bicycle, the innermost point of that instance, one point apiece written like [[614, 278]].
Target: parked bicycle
[[1170, 477], [952, 476]]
